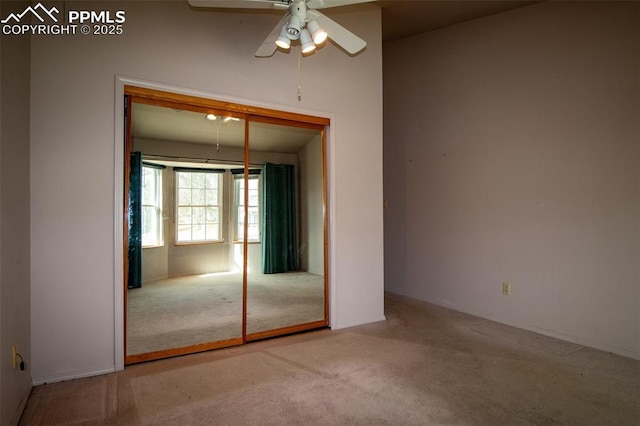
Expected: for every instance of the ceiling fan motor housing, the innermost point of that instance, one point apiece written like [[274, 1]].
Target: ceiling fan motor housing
[[302, 22], [298, 11]]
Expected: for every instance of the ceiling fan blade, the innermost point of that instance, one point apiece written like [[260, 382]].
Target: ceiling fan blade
[[268, 47], [339, 34], [241, 4], [324, 4]]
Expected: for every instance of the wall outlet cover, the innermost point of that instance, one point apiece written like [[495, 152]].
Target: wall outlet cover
[[506, 288]]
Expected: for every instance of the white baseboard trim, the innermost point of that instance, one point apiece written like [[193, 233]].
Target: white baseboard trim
[[72, 375], [349, 325], [534, 329]]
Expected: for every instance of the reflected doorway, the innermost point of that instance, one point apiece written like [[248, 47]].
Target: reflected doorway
[[202, 222]]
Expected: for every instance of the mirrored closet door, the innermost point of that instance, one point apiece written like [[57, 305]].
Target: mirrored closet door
[[286, 277], [225, 227], [186, 293]]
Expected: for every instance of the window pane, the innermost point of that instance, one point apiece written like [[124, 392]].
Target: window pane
[[211, 197], [149, 226], [184, 215], [184, 197], [254, 215], [197, 197], [184, 233], [253, 197], [197, 180], [254, 232], [211, 180], [212, 232], [239, 191], [151, 206], [184, 180], [198, 232], [239, 223], [198, 215], [198, 211], [148, 186], [212, 215]]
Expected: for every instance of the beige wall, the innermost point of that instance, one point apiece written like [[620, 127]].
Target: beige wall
[[512, 153], [74, 327], [15, 322]]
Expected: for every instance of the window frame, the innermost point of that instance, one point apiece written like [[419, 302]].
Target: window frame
[[238, 203], [157, 206], [219, 173]]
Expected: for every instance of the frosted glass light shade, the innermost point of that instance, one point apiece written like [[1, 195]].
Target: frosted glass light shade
[[307, 43], [283, 41], [318, 35]]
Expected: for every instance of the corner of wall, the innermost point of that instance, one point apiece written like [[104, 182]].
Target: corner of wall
[[15, 286]]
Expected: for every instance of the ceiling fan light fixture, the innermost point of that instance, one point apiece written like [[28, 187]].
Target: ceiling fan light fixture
[[298, 17], [318, 35], [283, 41], [210, 117], [293, 27], [306, 42]]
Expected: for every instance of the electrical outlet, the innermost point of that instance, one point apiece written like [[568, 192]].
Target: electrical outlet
[[506, 288], [14, 349]]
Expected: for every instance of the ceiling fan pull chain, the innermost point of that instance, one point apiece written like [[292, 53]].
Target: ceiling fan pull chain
[[217, 137], [299, 84]]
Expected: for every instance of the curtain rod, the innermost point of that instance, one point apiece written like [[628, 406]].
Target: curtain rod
[[198, 160]]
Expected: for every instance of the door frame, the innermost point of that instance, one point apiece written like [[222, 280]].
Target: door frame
[[272, 111]]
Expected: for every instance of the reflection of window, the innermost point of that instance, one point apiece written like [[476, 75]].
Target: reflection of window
[[253, 223], [151, 207], [199, 206]]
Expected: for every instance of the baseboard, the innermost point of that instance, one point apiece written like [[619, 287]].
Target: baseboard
[[548, 333], [355, 324], [72, 375]]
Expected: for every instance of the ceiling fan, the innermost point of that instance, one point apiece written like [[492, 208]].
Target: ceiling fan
[[301, 22]]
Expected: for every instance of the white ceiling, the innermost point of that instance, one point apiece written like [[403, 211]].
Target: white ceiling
[[404, 18]]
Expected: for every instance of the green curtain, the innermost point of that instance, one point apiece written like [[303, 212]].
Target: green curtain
[[279, 228], [134, 279]]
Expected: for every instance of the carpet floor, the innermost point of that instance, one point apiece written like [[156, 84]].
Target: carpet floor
[[424, 365], [186, 311]]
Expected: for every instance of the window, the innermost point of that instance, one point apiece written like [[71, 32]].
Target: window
[[253, 226], [151, 206], [198, 199]]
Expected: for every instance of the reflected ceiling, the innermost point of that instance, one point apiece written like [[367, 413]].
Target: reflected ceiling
[[159, 123]]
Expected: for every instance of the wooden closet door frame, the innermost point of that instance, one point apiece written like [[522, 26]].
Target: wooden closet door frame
[[149, 96]]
